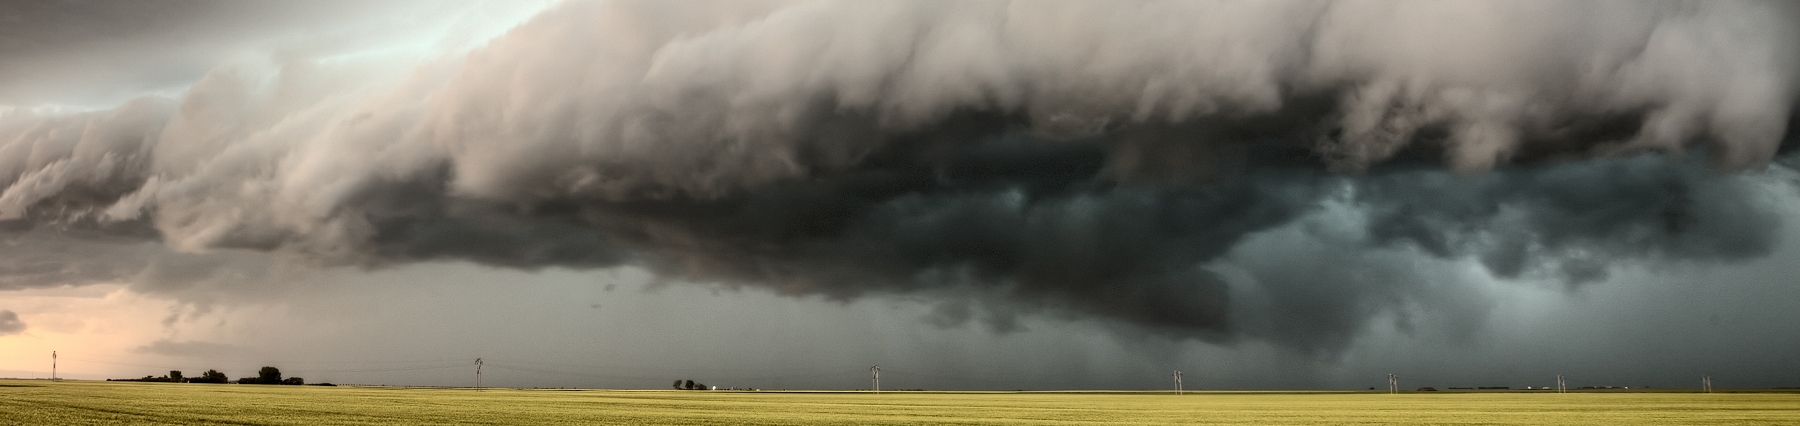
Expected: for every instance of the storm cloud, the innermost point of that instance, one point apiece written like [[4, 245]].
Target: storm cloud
[[1093, 159], [9, 323]]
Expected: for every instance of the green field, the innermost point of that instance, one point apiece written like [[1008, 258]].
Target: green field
[[36, 402]]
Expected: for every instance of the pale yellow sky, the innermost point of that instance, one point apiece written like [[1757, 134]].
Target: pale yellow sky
[[97, 322]]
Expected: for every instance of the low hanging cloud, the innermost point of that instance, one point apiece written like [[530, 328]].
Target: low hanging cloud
[[10, 323], [1094, 159]]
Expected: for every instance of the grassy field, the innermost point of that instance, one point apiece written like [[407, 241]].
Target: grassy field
[[32, 402]]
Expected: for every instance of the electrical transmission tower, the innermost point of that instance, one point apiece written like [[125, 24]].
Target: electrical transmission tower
[[1561, 387], [1177, 382], [1393, 383], [478, 374], [875, 377], [1706, 383]]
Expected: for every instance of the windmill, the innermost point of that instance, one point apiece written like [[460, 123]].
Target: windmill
[[478, 374], [53, 365], [1177, 382], [875, 376]]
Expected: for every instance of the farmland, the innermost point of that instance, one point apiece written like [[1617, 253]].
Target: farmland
[[78, 403]]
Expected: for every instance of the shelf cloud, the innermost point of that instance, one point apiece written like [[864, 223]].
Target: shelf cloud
[[1101, 160]]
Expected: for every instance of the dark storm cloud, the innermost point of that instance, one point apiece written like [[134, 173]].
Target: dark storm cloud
[[1574, 220], [46, 259], [9, 323], [1089, 159]]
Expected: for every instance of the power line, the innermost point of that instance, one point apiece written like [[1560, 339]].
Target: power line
[[561, 369], [513, 366], [504, 366], [330, 367], [305, 370], [840, 367], [1011, 381], [267, 361]]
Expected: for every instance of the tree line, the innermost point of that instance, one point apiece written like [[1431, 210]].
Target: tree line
[[264, 376]]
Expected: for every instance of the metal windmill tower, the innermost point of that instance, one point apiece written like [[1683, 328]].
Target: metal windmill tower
[[875, 377]]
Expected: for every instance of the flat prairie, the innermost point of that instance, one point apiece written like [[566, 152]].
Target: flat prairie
[[39, 402]]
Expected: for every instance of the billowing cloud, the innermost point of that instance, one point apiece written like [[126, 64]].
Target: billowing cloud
[[1097, 159], [88, 53]]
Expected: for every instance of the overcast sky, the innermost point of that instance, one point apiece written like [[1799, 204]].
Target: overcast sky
[[972, 195]]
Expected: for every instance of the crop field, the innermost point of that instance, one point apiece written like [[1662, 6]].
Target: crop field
[[36, 402]]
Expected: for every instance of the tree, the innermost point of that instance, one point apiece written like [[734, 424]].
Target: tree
[[293, 381], [175, 376], [211, 376], [269, 376], [690, 385], [677, 384]]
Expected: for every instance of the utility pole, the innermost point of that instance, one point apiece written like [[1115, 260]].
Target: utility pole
[[1177, 382], [478, 374], [875, 377]]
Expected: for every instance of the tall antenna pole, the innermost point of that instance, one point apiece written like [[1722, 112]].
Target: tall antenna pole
[[1177, 382], [875, 376], [478, 374]]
